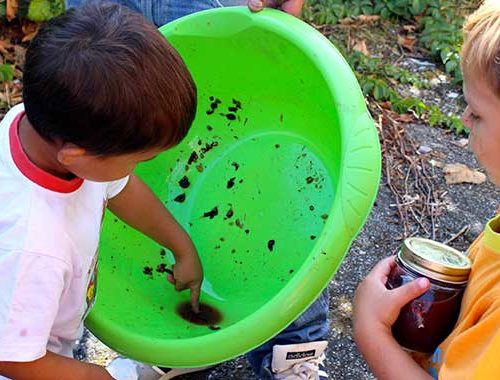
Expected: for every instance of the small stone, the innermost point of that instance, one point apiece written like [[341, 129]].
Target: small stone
[[422, 64], [415, 91], [434, 82], [436, 164], [423, 149]]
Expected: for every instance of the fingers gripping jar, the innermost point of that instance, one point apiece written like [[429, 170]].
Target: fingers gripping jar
[[427, 320]]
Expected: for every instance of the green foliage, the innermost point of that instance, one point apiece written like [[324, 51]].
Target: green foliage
[[374, 76], [439, 25], [440, 22], [6, 72], [441, 34], [35, 10], [375, 66], [399, 8], [331, 11], [437, 118], [2, 9], [42, 10], [405, 105]]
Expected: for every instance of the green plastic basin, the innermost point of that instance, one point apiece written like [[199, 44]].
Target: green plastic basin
[[283, 165]]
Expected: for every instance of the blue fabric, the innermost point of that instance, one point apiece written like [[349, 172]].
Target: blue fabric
[[162, 11], [310, 326], [313, 324]]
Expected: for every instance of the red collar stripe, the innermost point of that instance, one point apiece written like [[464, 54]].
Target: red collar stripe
[[33, 172]]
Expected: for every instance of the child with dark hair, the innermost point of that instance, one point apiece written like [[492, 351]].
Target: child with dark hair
[[297, 352], [103, 91]]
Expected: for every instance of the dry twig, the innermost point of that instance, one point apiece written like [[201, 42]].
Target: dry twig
[[409, 177]]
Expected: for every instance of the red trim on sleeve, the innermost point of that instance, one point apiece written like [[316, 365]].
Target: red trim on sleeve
[[33, 172]]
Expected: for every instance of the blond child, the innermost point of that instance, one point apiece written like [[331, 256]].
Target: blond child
[[471, 350]]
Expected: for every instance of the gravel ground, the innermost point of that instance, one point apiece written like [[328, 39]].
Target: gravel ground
[[466, 205]]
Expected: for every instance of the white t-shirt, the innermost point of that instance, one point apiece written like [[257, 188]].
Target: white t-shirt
[[49, 233]]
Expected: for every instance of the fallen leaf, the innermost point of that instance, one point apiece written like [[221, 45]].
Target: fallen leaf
[[405, 118], [17, 73], [393, 81], [360, 20], [386, 105], [436, 164], [346, 21], [360, 45], [460, 173], [11, 9], [4, 44], [365, 19], [30, 29], [409, 28], [6, 50], [408, 42], [462, 143]]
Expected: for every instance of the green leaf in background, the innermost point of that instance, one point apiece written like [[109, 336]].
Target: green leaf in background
[[451, 66], [43, 10], [6, 73], [417, 7], [2, 9], [438, 26]]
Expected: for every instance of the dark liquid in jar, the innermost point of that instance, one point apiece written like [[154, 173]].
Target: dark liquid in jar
[[426, 321]]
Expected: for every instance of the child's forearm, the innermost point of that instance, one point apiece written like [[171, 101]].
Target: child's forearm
[[53, 367], [141, 209], [387, 359], [137, 206]]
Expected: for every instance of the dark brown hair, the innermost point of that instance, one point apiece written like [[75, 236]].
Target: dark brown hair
[[103, 78]]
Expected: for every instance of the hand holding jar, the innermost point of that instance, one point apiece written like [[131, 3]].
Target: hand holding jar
[[427, 320], [376, 308]]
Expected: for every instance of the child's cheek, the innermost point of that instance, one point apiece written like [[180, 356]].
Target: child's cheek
[[478, 149], [472, 141], [495, 178], [475, 139], [483, 153]]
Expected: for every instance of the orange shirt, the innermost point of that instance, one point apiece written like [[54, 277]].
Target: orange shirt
[[472, 350]]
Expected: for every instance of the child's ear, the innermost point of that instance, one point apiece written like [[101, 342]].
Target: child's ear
[[70, 153]]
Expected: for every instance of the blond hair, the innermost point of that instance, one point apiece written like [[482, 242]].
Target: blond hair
[[480, 53]]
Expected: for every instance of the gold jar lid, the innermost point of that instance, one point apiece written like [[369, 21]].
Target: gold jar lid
[[435, 260]]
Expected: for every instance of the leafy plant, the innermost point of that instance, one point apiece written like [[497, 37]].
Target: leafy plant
[[399, 8], [439, 21], [439, 26], [42, 10], [2, 9], [6, 72], [35, 10], [375, 66], [331, 11], [436, 117], [370, 73], [443, 38]]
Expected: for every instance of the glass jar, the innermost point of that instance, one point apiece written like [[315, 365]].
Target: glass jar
[[427, 320]]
